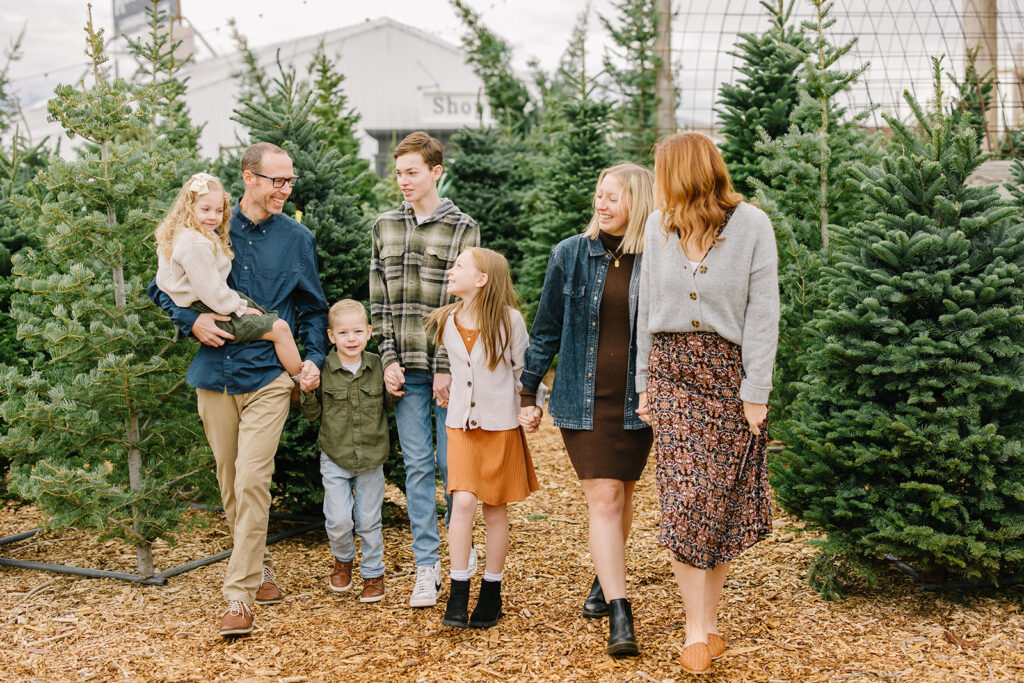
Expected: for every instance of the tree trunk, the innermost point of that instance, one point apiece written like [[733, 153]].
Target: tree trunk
[[143, 551]]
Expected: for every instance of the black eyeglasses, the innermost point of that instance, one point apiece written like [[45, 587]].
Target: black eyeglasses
[[278, 182]]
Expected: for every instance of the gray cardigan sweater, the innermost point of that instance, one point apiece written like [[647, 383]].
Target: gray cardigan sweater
[[734, 293]]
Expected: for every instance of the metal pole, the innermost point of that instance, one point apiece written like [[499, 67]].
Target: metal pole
[[981, 33], [666, 116]]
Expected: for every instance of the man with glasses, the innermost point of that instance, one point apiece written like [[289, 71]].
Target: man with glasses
[[243, 392]]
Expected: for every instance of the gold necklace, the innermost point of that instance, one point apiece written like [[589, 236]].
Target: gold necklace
[[613, 255]]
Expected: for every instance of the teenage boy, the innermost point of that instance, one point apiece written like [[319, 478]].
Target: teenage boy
[[413, 247], [351, 405], [243, 392]]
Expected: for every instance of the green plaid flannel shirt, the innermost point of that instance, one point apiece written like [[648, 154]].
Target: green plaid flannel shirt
[[407, 280]]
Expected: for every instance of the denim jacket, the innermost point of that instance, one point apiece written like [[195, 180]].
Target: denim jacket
[[567, 324]]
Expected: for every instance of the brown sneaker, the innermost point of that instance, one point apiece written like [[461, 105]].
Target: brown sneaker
[[269, 592], [373, 589], [237, 620], [341, 577]]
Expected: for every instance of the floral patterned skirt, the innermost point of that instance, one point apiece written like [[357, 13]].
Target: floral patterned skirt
[[712, 472]]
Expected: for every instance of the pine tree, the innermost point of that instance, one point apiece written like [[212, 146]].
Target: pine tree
[[633, 71], [1016, 184], [327, 204], [102, 436], [808, 192], [766, 93], [490, 174], [976, 95], [339, 126], [906, 436], [491, 58]]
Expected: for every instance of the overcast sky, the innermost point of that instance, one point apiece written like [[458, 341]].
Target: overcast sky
[[52, 50]]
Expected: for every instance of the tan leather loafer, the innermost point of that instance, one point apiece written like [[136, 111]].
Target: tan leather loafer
[[716, 645], [696, 658]]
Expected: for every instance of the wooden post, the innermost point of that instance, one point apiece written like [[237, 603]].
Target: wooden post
[[666, 117], [980, 27]]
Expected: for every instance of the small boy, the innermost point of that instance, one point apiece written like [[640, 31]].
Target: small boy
[[351, 404]]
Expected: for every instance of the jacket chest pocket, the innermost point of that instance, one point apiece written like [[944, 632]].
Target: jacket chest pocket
[[576, 300], [370, 395], [390, 258], [335, 397]]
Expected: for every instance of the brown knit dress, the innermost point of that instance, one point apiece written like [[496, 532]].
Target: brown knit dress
[[609, 451]]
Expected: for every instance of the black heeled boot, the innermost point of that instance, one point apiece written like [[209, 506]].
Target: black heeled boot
[[621, 638], [488, 608], [457, 612], [595, 606]]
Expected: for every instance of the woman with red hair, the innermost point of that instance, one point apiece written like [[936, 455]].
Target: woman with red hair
[[708, 327]]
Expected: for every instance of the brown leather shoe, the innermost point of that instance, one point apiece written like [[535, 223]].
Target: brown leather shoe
[[341, 577], [373, 589], [716, 645], [269, 592], [696, 658], [237, 620]]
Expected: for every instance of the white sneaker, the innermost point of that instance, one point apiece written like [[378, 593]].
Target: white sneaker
[[428, 582], [472, 561]]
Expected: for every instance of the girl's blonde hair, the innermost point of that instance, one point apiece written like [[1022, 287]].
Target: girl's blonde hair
[[493, 305], [637, 194], [693, 188], [182, 215]]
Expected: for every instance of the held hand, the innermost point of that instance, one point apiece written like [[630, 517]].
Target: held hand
[[251, 311], [642, 410], [394, 378], [755, 414], [529, 417], [309, 378], [206, 331], [442, 387]]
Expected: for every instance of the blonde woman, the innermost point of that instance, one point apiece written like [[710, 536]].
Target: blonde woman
[[587, 315], [707, 333]]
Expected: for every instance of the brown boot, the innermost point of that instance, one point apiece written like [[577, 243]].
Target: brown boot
[[341, 577], [268, 592], [237, 620], [373, 589]]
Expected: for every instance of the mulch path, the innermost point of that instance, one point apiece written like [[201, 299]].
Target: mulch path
[[63, 628]]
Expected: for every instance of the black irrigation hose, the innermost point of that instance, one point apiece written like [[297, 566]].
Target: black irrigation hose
[[159, 579]]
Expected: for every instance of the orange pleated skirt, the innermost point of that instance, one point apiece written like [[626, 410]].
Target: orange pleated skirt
[[494, 466]]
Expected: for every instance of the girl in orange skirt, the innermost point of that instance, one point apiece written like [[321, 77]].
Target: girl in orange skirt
[[488, 461]]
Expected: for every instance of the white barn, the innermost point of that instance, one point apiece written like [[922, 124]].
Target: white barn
[[397, 77]]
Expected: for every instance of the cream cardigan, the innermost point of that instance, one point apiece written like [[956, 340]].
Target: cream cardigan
[[198, 271], [480, 397]]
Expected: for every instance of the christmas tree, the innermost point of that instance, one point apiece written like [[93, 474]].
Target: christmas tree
[[906, 436], [101, 434], [632, 67], [764, 96], [808, 191]]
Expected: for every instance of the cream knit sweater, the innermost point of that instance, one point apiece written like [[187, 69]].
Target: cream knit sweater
[[198, 271]]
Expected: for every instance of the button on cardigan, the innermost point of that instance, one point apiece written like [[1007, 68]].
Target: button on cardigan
[[480, 397], [734, 293]]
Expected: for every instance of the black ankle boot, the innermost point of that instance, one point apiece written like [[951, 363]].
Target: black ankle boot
[[621, 639], [595, 606], [488, 608], [457, 612]]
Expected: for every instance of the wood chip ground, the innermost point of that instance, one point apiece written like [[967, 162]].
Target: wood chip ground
[[63, 628]]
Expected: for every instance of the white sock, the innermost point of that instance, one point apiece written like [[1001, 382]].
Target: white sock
[[491, 577], [459, 574]]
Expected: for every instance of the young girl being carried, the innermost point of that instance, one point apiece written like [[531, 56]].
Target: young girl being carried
[[194, 249], [488, 461]]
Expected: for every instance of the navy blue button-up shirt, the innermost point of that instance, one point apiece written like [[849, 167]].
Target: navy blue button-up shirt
[[275, 266]]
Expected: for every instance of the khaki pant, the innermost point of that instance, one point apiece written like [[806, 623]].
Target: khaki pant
[[243, 431]]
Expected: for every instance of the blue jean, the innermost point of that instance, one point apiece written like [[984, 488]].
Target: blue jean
[[413, 416], [353, 501]]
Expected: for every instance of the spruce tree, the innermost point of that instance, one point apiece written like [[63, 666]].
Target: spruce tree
[[325, 202], [102, 434], [906, 435], [808, 192], [339, 126], [1016, 184], [976, 95], [765, 94], [632, 67]]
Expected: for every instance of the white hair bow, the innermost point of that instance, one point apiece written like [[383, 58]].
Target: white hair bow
[[201, 183]]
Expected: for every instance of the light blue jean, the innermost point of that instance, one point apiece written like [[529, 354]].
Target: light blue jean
[[413, 416], [353, 501]]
